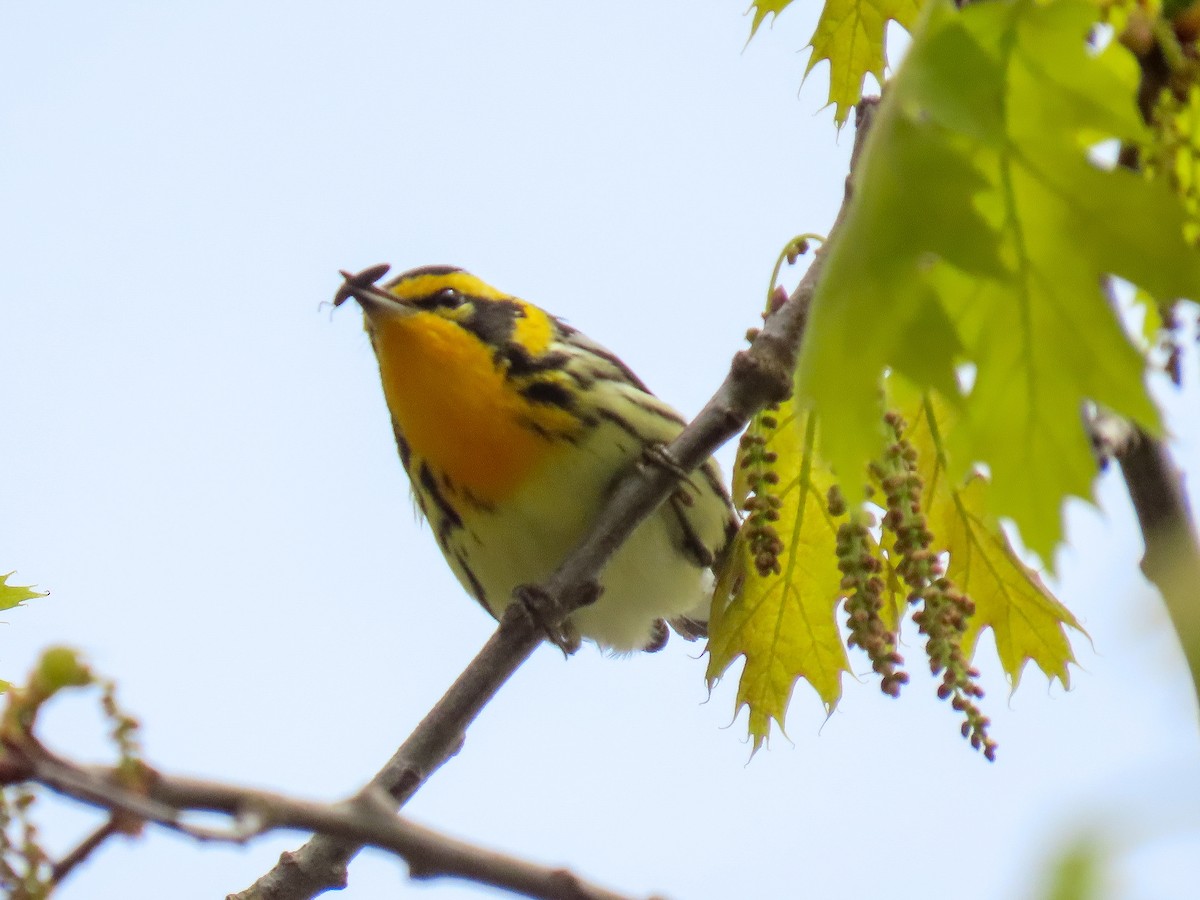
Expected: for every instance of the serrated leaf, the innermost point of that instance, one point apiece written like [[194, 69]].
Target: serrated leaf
[[850, 36], [784, 625], [977, 210], [13, 595], [1027, 621], [764, 8]]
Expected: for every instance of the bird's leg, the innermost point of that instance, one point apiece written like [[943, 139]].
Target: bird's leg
[[658, 455], [549, 614]]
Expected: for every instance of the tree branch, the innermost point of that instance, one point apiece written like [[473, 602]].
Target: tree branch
[[364, 820], [1171, 560]]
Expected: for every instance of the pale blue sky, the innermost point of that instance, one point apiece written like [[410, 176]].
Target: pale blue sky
[[199, 466]]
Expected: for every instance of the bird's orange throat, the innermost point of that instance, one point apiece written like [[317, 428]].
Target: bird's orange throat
[[456, 409]]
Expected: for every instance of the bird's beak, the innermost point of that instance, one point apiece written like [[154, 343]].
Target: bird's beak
[[373, 299]]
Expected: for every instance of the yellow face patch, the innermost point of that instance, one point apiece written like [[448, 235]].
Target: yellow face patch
[[534, 331], [464, 282]]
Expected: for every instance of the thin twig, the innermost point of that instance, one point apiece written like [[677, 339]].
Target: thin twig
[[86, 848], [760, 375]]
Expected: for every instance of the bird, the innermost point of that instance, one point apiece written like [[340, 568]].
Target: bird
[[513, 427]]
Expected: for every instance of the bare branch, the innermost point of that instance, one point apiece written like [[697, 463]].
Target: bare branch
[[364, 820], [759, 376]]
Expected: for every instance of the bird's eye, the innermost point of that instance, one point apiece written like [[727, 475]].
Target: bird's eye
[[447, 297]]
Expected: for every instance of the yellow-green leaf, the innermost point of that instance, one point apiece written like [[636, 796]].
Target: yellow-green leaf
[[12, 595], [764, 8], [1027, 621], [784, 625], [850, 35]]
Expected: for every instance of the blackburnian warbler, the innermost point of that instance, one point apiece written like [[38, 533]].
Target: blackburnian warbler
[[512, 427]]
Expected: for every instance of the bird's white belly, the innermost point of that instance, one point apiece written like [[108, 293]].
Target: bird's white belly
[[648, 578]]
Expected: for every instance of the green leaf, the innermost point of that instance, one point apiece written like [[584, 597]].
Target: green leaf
[[13, 595], [980, 232], [784, 624], [850, 35]]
